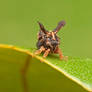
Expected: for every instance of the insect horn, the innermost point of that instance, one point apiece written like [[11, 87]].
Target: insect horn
[[59, 26], [42, 27]]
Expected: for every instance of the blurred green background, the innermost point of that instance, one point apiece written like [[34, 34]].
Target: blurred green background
[[18, 23], [18, 26]]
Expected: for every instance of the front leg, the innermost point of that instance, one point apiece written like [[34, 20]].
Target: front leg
[[46, 53], [40, 50], [61, 55], [58, 51]]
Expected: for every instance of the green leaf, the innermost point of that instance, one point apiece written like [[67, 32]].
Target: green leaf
[[15, 62]]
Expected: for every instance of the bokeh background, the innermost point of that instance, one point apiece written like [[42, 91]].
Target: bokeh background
[[18, 23], [18, 26]]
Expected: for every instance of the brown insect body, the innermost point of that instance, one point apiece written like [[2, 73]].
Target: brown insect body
[[48, 41]]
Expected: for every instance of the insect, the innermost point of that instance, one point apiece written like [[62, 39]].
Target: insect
[[48, 41]]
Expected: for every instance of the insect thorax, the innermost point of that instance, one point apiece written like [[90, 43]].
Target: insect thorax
[[49, 41]]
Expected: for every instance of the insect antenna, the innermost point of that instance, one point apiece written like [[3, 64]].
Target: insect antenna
[[42, 28], [59, 26]]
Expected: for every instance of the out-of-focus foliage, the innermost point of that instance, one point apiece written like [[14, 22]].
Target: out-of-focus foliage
[[18, 23]]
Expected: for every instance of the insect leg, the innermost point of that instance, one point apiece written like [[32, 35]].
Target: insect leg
[[40, 50], [46, 53], [60, 53]]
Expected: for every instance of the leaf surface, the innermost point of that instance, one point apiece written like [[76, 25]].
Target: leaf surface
[[77, 69]]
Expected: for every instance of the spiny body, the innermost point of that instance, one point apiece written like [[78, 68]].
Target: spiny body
[[48, 41]]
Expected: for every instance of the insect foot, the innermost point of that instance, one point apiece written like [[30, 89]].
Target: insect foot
[[65, 58]]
